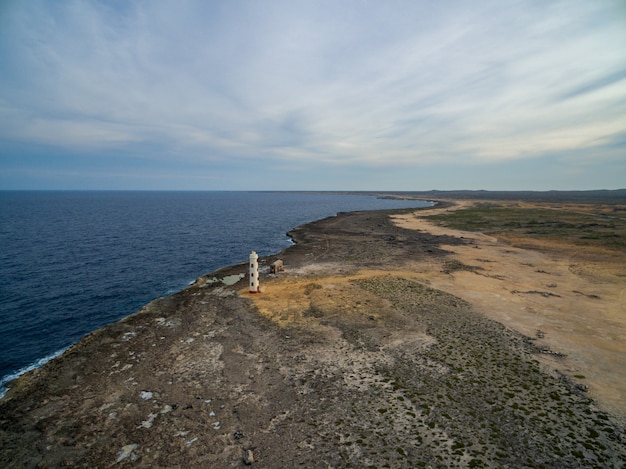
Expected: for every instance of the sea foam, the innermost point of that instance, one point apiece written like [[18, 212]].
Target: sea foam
[[39, 363]]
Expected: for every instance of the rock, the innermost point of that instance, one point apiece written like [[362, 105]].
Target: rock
[[148, 423], [125, 452], [248, 457]]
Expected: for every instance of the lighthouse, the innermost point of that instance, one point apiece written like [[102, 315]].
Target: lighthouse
[[254, 272]]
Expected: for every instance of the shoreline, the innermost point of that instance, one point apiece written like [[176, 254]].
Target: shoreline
[[348, 343], [63, 342]]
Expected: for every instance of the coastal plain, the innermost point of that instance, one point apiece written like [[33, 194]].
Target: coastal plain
[[471, 334]]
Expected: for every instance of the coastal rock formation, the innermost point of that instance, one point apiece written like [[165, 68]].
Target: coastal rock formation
[[345, 360]]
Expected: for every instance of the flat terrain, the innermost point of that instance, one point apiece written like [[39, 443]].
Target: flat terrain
[[556, 272], [389, 340]]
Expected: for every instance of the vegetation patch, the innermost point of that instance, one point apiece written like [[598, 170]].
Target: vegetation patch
[[582, 227]]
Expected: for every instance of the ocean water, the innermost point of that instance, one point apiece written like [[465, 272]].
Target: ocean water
[[72, 262]]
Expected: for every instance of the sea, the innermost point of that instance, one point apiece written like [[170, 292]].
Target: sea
[[72, 262]]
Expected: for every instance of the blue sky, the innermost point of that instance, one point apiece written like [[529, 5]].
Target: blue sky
[[313, 95]]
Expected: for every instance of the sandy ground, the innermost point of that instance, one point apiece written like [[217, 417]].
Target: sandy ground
[[573, 301]]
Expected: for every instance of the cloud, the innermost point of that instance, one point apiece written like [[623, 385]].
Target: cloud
[[596, 84], [398, 83]]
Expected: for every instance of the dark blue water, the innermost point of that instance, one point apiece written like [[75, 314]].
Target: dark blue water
[[71, 262]]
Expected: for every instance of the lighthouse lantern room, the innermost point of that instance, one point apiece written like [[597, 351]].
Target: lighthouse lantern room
[[254, 272]]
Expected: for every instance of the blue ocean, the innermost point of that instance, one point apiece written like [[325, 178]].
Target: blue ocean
[[72, 262]]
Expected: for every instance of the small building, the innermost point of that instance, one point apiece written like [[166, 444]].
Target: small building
[[276, 266]]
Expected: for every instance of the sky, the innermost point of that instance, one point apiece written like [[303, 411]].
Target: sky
[[312, 95]]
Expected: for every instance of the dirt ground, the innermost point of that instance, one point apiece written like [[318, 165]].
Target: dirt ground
[[573, 297], [377, 346]]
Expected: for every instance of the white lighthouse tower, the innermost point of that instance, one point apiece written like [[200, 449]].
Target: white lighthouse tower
[[254, 272]]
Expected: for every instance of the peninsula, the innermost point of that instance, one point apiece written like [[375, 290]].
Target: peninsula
[[482, 332]]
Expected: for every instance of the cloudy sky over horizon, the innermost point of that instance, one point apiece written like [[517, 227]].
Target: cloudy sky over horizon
[[313, 95]]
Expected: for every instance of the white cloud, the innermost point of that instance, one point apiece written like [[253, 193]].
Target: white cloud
[[380, 83]]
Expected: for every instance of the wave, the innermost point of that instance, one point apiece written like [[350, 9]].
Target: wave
[[39, 363]]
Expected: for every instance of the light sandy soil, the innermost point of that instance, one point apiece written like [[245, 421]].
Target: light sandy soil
[[573, 300]]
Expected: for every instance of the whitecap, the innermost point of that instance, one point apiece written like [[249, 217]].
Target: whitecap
[[13, 376]]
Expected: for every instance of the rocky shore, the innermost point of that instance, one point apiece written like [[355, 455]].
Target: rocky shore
[[350, 357]]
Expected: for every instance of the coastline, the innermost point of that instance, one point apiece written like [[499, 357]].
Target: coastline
[[61, 287], [334, 352], [8, 379]]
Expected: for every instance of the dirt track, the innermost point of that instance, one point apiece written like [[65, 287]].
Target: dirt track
[[354, 356]]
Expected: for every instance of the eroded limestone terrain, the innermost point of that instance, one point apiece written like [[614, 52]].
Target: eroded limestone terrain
[[350, 357]]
